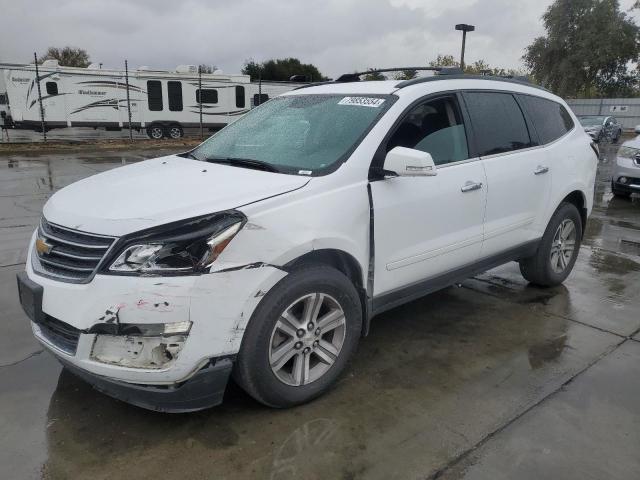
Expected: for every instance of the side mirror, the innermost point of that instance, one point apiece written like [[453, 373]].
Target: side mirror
[[637, 129], [407, 162]]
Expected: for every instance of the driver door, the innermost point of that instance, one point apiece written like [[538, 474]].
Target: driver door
[[426, 227]]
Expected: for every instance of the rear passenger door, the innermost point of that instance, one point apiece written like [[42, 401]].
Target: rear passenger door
[[518, 175]]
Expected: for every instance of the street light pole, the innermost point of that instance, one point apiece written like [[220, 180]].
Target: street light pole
[[464, 28]]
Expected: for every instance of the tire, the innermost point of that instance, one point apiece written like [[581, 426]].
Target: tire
[[174, 132], [155, 131], [265, 339], [552, 263], [619, 193]]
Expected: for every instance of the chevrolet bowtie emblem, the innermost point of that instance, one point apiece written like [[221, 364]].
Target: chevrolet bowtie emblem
[[43, 247]]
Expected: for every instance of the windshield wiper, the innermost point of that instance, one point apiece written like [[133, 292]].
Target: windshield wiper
[[245, 163], [189, 155]]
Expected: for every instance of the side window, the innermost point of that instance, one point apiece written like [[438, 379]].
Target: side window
[[174, 90], [52, 88], [208, 95], [435, 127], [551, 120], [259, 99], [240, 101], [498, 122], [154, 95]]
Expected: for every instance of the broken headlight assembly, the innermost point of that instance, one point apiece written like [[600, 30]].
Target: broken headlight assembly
[[180, 248]]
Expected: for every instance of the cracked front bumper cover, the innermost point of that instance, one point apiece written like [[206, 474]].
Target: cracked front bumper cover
[[203, 390]]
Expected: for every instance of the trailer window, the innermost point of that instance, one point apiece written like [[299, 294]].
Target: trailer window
[[175, 96], [154, 95], [240, 102], [52, 88], [208, 95], [259, 99]]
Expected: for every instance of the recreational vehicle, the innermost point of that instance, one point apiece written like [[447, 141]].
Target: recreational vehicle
[[162, 103]]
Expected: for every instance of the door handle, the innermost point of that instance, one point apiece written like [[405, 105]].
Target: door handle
[[540, 170], [471, 186]]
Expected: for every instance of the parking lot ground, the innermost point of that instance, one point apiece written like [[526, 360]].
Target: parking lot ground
[[488, 379]]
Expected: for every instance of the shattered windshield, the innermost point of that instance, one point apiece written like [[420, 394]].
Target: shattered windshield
[[591, 121], [303, 134]]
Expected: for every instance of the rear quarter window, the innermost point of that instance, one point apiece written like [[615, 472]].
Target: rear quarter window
[[550, 119], [498, 123]]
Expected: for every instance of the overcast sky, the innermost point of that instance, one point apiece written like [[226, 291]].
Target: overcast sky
[[336, 35]]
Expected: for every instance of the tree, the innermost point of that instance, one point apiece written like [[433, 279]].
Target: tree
[[281, 69], [67, 56], [207, 68], [479, 67], [406, 75], [587, 49], [373, 75], [444, 61]]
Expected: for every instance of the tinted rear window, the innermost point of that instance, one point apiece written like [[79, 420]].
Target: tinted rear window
[[550, 119], [498, 123]]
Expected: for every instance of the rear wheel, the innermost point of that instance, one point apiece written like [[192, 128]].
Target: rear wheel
[[174, 131], [155, 132], [558, 249], [300, 337]]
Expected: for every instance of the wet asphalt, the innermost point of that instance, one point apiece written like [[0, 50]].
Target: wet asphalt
[[490, 379]]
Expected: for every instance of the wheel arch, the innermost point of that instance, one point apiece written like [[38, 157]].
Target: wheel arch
[[578, 198], [345, 263]]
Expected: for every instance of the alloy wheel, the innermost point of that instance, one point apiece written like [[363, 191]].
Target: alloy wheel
[[563, 245], [307, 339]]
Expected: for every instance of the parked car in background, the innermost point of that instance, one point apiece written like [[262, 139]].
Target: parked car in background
[[600, 127], [626, 171], [266, 250]]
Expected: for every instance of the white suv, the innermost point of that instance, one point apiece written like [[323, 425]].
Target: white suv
[[265, 251]]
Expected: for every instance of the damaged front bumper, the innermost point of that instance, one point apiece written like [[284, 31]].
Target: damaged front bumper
[[203, 390], [76, 322]]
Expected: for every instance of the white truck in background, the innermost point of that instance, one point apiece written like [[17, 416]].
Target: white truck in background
[[163, 103]]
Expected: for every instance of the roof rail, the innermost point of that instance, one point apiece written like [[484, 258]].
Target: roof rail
[[441, 73], [507, 78], [355, 77]]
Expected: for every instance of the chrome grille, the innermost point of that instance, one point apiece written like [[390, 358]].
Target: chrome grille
[[68, 255]]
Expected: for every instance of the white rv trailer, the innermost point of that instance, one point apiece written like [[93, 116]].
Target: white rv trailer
[[163, 103]]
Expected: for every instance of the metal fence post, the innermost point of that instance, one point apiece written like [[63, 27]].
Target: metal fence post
[[44, 126], [126, 77], [200, 99], [259, 85]]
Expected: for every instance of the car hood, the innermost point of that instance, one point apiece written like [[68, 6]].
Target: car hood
[[593, 128], [159, 191]]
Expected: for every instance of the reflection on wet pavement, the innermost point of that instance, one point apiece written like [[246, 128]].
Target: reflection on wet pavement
[[467, 367]]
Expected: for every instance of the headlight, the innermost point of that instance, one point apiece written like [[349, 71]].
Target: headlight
[[628, 152], [181, 248]]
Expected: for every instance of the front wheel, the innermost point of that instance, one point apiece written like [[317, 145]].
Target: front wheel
[[558, 250], [300, 337]]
